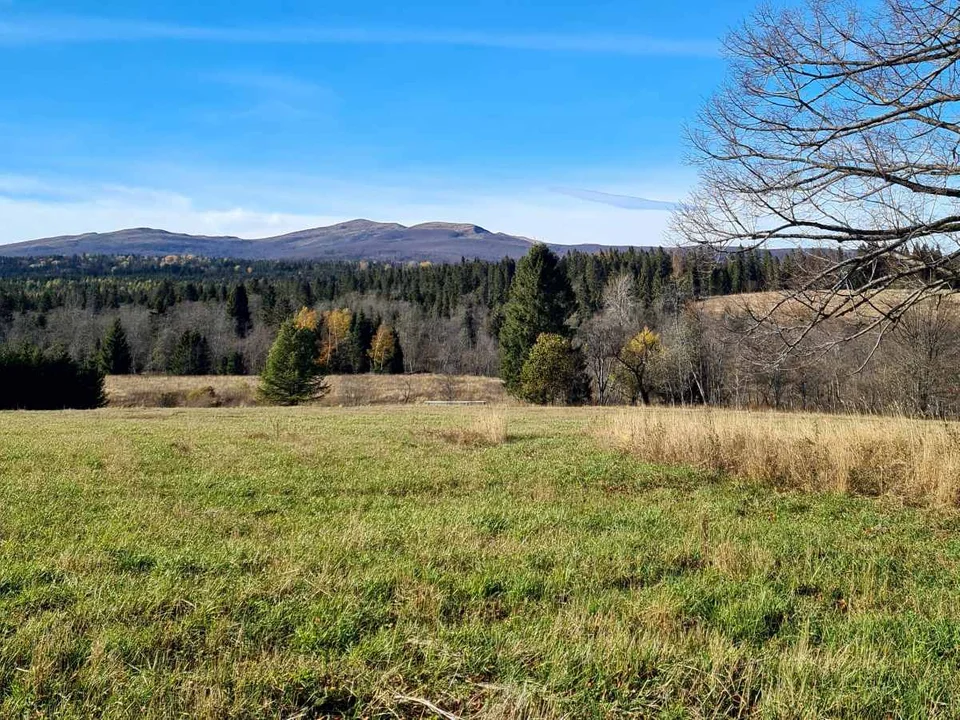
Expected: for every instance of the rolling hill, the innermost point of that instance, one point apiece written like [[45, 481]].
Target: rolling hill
[[354, 240]]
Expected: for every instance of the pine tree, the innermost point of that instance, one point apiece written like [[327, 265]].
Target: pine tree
[[268, 305], [540, 302], [164, 297], [233, 364], [292, 374], [115, 357], [191, 356], [238, 308]]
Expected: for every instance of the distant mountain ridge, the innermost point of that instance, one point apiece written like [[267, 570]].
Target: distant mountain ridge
[[354, 240]]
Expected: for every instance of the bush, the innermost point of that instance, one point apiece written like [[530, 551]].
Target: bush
[[554, 373], [203, 397], [32, 380]]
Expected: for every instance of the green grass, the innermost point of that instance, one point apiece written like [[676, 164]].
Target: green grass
[[319, 562]]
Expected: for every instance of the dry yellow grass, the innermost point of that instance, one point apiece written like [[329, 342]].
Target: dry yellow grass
[[916, 460], [181, 391], [760, 303], [241, 391], [401, 389], [487, 429]]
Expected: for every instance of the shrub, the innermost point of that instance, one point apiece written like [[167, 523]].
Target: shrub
[[554, 373], [33, 380], [202, 397]]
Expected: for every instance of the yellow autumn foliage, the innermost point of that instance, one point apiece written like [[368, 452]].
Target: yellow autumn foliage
[[382, 348], [336, 327], [641, 346], [306, 319]]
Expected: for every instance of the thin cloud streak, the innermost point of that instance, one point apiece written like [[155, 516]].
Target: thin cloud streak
[[627, 202], [268, 83], [59, 30]]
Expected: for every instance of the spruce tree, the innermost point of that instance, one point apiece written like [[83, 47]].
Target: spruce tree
[[238, 308], [115, 357], [396, 362], [191, 356], [292, 374], [540, 302], [359, 340], [233, 364]]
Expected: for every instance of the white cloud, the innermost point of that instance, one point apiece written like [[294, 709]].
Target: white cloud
[[60, 29]]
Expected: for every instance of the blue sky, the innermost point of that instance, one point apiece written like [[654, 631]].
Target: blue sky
[[546, 119]]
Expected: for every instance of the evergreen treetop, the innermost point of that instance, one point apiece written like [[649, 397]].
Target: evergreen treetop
[[540, 301], [115, 356]]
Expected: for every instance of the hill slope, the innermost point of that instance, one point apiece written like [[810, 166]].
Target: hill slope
[[354, 240]]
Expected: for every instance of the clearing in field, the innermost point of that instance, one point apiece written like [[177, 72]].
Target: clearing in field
[[508, 563]]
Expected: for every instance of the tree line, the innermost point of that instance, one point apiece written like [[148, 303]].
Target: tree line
[[617, 327], [199, 315]]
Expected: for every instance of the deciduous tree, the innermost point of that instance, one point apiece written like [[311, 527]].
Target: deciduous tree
[[382, 349], [837, 132], [634, 360], [334, 334]]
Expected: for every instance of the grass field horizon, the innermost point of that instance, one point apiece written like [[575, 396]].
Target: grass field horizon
[[492, 563]]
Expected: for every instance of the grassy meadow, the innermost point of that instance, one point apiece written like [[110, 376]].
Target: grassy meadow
[[407, 562]]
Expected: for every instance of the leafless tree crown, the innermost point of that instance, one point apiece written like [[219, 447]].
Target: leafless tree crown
[[837, 132]]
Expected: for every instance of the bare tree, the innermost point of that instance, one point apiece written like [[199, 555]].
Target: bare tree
[[620, 300], [925, 347], [601, 338], [837, 133]]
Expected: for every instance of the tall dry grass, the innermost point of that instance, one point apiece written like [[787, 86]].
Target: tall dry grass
[[347, 390], [916, 460], [181, 390], [486, 429]]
